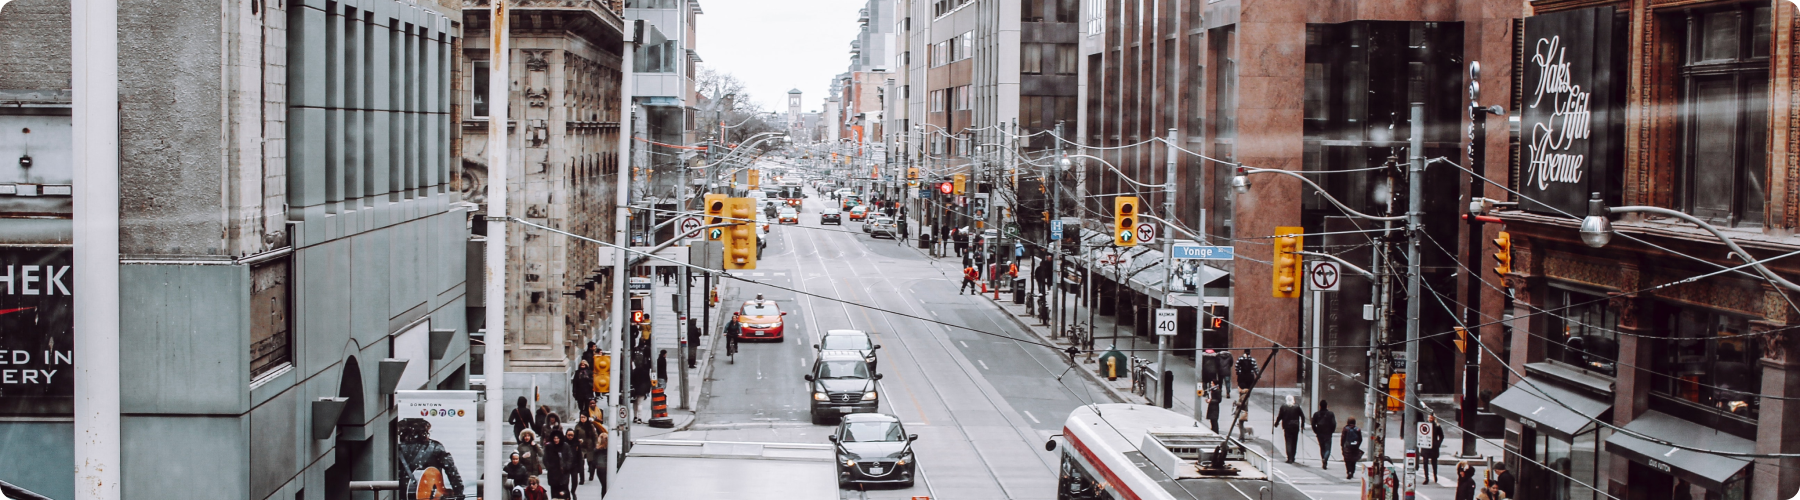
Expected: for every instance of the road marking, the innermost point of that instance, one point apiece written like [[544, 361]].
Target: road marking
[[756, 274], [1028, 415], [965, 344], [802, 363], [983, 364]]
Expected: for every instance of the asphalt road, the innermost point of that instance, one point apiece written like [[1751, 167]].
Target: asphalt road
[[982, 403]]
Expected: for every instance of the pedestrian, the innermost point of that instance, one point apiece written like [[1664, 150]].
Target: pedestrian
[[582, 386], [1683, 491], [535, 491], [516, 473], [1352, 444], [573, 455], [540, 420], [1213, 394], [1324, 423], [968, 282], [1430, 453], [593, 411], [521, 417], [1465, 481], [1246, 373], [596, 452], [555, 465], [961, 241], [967, 260], [902, 239], [530, 453], [584, 443], [1504, 480], [662, 368], [1492, 491], [1291, 418]]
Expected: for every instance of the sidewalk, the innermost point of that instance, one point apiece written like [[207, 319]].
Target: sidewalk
[[1263, 402]]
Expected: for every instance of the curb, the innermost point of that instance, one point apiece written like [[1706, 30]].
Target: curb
[[1113, 392], [706, 366]]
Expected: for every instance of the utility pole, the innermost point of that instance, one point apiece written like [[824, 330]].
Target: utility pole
[[1472, 312], [1056, 217], [494, 340], [1415, 208], [1162, 341], [621, 240], [95, 120]]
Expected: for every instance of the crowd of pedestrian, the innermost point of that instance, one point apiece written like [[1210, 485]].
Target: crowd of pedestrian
[[566, 457]]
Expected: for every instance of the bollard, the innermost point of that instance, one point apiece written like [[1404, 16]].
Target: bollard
[[659, 409]]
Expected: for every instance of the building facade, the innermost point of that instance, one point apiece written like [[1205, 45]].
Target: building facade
[[663, 86], [1693, 106], [564, 136], [291, 228]]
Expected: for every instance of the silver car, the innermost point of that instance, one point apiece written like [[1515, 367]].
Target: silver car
[[882, 226]]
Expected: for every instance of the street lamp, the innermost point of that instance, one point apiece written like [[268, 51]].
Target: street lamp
[[1596, 231]]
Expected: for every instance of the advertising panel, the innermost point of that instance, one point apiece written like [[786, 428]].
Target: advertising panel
[[435, 434], [37, 357], [1571, 132]]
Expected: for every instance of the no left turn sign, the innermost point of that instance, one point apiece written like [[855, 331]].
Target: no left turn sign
[[1324, 276], [1146, 233]]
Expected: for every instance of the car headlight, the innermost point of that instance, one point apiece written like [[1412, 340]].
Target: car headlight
[[869, 396], [849, 463], [902, 461], [820, 396]]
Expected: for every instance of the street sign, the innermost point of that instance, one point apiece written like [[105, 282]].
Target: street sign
[[1204, 252], [1146, 233], [1324, 276], [691, 227], [1165, 322], [1056, 229], [1424, 432]]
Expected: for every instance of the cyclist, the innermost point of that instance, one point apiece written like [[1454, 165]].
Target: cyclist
[[731, 337]]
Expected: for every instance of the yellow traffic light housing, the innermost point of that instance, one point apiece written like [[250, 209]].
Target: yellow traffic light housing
[[1504, 256], [1125, 215], [740, 239], [912, 172], [1462, 339], [1287, 272], [960, 183], [715, 211], [755, 178], [602, 373]]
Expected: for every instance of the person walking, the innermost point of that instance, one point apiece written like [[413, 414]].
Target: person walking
[[516, 473], [1429, 455], [1465, 481], [901, 228], [1492, 491], [1291, 418], [596, 459], [540, 420], [530, 454], [662, 368], [1504, 480], [961, 240], [1324, 423], [582, 386], [1352, 444], [521, 417], [535, 491], [968, 282], [693, 343], [573, 455], [1214, 393], [555, 465]]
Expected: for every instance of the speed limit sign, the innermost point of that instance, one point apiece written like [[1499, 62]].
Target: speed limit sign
[[1165, 322]]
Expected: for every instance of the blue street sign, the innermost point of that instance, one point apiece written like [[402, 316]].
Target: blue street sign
[[1204, 252], [1056, 229]]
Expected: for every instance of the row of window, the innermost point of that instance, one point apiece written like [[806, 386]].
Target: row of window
[[1056, 58], [1041, 11], [941, 7], [955, 49], [957, 96]]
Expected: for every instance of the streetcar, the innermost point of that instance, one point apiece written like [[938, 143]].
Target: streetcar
[[1141, 452]]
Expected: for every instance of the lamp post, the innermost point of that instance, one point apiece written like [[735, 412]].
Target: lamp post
[[1596, 231]]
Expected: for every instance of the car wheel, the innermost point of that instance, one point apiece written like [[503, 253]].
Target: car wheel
[[816, 420]]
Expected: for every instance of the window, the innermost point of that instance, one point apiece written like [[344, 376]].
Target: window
[[966, 45], [1718, 373], [1031, 58], [962, 98], [937, 101], [1583, 331], [478, 89], [271, 325], [1067, 59], [1724, 112], [649, 4], [656, 58], [940, 53], [1031, 11], [1067, 11]]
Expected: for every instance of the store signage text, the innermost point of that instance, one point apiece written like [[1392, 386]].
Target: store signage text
[[1569, 120]]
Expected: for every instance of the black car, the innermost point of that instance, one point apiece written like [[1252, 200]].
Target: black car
[[831, 216], [841, 384], [874, 448]]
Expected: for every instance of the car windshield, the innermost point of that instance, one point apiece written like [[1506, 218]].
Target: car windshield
[[843, 369], [845, 343], [761, 309], [872, 432], [787, 213]]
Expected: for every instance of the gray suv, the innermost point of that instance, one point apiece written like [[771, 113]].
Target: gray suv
[[841, 383]]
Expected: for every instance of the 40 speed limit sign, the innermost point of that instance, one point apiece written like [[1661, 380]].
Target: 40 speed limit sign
[[1165, 322]]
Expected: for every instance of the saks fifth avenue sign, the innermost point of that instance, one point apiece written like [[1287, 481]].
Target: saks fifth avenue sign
[[1568, 111]]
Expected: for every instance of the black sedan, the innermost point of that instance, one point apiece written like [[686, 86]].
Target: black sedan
[[874, 448], [831, 216]]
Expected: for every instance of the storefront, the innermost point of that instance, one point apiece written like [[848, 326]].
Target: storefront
[[1558, 407]]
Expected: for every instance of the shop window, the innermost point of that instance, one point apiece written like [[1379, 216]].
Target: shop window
[[1724, 114], [1706, 361], [1583, 331], [1579, 460]]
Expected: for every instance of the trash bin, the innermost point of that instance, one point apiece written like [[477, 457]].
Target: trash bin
[[1018, 289]]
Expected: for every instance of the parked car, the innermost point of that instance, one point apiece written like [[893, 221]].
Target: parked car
[[831, 216], [841, 383], [874, 448], [849, 340]]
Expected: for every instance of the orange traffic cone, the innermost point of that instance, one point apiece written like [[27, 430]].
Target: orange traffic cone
[[659, 408]]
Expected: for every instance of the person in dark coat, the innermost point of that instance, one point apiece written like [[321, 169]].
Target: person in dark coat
[[555, 465], [530, 454], [1291, 418], [572, 457], [542, 419], [515, 471], [1214, 394], [1429, 454], [1504, 479], [582, 386], [1352, 444], [693, 343], [1246, 373], [662, 369], [535, 491], [521, 417], [1465, 481], [1324, 423]]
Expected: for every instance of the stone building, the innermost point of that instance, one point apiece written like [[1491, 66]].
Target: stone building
[[562, 150], [288, 224]]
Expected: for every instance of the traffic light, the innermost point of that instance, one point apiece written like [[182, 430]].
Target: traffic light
[[962, 183], [946, 188], [1287, 271], [1125, 210], [740, 239], [755, 178], [1462, 339], [639, 317], [912, 172], [602, 373], [1504, 256], [715, 210]]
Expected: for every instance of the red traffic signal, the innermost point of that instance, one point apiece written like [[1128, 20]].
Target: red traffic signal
[[946, 188]]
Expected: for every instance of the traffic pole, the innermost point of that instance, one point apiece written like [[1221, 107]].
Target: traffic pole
[[1415, 158], [622, 240], [1168, 199], [1056, 245], [95, 121], [493, 363]]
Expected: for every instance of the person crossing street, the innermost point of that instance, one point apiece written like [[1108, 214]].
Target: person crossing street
[[968, 283], [1352, 444], [1324, 423], [1291, 418]]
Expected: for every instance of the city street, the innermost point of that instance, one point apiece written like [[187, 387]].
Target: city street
[[982, 404]]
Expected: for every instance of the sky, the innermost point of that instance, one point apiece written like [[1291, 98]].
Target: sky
[[777, 45]]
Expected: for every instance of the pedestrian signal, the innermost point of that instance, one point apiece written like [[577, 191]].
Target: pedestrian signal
[[639, 318], [1287, 272], [1125, 221], [912, 172], [755, 178]]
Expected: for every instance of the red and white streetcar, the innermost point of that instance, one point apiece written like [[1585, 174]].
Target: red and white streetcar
[[1139, 452]]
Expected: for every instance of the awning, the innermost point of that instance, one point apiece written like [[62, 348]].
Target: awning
[[1533, 402], [1705, 469]]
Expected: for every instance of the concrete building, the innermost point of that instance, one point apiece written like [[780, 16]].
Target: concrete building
[[565, 111], [663, 85], [290, 218]]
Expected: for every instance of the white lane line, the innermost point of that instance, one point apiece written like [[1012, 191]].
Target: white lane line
[[965, 344], [1028, 415], [983, 364], [802, 362]]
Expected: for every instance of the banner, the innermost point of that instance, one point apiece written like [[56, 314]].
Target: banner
[[37, 357], [1571, 118], [435, 434]]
